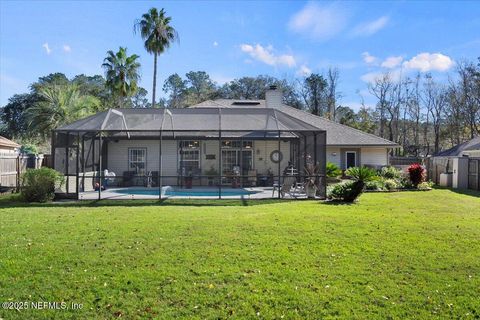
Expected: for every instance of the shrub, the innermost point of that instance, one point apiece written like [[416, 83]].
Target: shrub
[[333, 170], [391, 184], [350, 191], [390, 173], [361, 174], [346, 191], [38, 185], [426, 185], [416, 174], [375, 185]]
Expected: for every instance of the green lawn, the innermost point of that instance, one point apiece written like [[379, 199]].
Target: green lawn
[[391, 256]]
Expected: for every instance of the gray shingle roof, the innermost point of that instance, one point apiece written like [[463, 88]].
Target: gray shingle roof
[[470, 145], [337, 134]]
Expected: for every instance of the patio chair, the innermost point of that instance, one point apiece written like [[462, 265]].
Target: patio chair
[[289, 187]]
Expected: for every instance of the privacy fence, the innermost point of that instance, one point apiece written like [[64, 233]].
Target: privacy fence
[[13, 165]]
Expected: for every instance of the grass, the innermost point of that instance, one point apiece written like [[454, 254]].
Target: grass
[[391, 256]]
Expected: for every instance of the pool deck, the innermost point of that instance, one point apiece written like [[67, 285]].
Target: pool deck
[[113, 193]]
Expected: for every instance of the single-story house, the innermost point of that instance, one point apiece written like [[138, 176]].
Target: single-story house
[[223, 143], [469, 148], [8, 146]]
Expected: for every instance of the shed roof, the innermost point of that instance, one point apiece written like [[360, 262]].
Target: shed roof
[[4, 142], [458, 150]]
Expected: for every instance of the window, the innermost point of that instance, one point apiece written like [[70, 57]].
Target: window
[[137, 160], [236, 144], [189, 156]]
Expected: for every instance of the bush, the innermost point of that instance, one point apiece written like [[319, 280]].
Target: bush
[[416, 174], [350, 191], [347, 191], [333, 170], [391, 184], [361, 174], [38, 185], [426, 185], [390, 173], [375, 185]]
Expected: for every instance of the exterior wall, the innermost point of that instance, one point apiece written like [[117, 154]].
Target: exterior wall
[[375, 156], [472, 153], [117, 159], [333, 155], [365, 156], [262, 151]]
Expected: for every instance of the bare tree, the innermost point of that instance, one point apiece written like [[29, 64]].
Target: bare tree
[[435, 98], [381, 89], [333, 76]]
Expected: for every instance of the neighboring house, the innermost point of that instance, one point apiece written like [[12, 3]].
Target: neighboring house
[[469, 148], [8, 146], [346, 146], [244, 142]]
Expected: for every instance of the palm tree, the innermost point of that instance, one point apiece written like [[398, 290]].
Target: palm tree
[[122, 73], [58, 105], [158, 34]]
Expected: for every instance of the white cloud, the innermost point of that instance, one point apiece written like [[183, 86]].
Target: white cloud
[[47, 48], [319, 22], [371, 27], [392, 62], [426, 62], [369, 59], [267, 55], [215, 43], [304, 71], [67, 48], [371, 77]]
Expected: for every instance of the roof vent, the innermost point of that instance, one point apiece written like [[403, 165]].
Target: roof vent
[[246, 103]]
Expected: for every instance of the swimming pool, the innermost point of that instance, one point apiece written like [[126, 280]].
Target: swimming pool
[[171, 192]]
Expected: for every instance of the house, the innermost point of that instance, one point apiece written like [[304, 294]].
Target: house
[[469, 148], [223, 143], [8, 146], [346, 146]]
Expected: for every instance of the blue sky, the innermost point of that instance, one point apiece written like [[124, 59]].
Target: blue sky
[[235, 39]]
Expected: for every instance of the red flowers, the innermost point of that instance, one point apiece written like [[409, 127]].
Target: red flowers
[[416, 173]]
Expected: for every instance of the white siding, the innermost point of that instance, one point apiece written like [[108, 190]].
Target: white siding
[[262, 151], [118, 155], [333, 155], [374, 156]]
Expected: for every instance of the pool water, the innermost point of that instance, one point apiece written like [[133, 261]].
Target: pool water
[[170, 192]]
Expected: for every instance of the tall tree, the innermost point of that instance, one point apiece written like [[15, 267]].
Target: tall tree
[[314, 93], [122, 74], [175, 87], [333, 76], [199, 87], [13, 115], [155, 29]]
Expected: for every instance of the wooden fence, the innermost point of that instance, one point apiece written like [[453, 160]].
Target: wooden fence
[[405, 161], [13, 165]]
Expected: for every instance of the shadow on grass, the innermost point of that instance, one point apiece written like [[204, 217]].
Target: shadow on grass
[[14, 201], [467, 192], [337, 203]]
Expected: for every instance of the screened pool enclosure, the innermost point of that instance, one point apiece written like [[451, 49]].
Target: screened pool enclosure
[[197, 152]]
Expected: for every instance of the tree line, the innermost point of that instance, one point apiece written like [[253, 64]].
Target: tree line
[[420, 113]]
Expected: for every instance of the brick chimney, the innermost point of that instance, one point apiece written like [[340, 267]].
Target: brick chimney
[[273, 97]]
